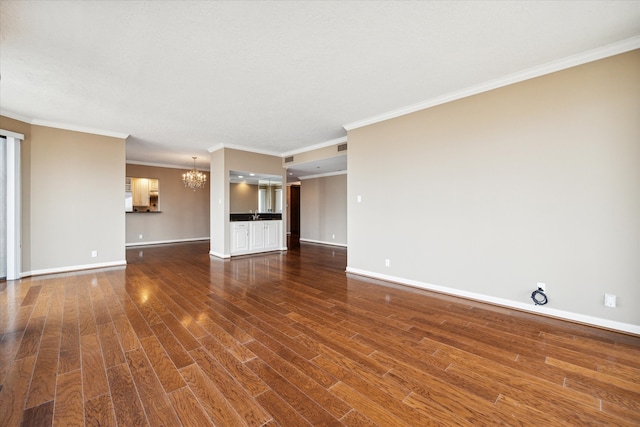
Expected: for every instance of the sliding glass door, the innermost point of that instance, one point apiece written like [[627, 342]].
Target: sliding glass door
[[3, 211], [10, 218]]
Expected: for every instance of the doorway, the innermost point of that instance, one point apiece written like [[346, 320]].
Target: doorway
[[294, 216]]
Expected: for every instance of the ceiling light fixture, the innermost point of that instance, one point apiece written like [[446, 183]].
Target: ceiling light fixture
[[194, 179]]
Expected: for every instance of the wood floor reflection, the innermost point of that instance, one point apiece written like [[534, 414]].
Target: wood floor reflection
[[181, 338]]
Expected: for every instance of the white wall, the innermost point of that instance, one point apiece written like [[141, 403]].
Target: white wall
[[219, 196], [486, 196], [323, 210]]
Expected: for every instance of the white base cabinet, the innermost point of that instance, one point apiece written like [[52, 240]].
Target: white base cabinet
[[255, 236], [239, 237], [264, 235]]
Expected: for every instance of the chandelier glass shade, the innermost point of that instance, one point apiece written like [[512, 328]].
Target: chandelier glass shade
[[194, 179]]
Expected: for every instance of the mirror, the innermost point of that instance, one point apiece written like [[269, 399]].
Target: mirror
[[142, 195], [251, 192]]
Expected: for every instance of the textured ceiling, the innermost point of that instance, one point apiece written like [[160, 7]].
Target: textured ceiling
[[181, 77]]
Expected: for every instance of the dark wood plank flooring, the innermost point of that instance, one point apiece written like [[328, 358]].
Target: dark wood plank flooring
[[179, 338]]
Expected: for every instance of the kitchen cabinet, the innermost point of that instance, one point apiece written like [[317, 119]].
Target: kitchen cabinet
[[272, 235], [141, 192], [255, 236], [239, 237], [264, 235]]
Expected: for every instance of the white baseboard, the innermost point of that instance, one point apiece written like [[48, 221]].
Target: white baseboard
[[265, 251], [320, 242], [532, 308], [162, 242], [73, 268], [217, 255]]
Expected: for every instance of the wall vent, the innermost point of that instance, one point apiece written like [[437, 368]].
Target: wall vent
[[342, 147], [288, 159]]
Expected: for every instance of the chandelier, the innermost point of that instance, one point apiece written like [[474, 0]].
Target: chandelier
[[194, 179]]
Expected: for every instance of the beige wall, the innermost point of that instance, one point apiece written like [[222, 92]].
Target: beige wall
[[317, 154], [223, 161], [184, 212], [323, 210], [488, 195], [72, 200]]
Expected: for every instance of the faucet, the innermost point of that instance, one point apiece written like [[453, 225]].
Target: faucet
[[255, 216]]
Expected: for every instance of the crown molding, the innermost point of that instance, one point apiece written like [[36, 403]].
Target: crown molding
[[325, 144], [215, 148], [83, 129], [242, 148], [165, 165], [15, 116], [273, 153], [527, 74], [65, 126], [322, 175]]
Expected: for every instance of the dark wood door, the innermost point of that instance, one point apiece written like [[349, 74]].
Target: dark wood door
[[295, 210]]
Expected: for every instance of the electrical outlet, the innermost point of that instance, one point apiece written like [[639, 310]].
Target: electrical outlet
[[140, 237], [542, 286], [387, 263], [333, 236], [609, 300], [94, 254]]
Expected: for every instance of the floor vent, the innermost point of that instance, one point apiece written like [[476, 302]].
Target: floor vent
[[342, 147], [288, 159]]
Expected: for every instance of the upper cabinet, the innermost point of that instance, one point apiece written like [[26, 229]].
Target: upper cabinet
[[140, 192]]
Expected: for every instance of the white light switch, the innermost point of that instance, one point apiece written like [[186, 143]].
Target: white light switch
[[359, 199]]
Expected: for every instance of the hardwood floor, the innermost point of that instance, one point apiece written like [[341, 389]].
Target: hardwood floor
[[179, 338]]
